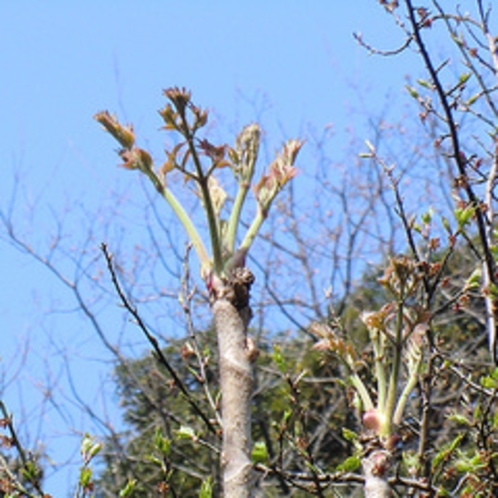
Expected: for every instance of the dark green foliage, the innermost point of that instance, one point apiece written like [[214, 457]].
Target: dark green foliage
[[160, 450], [298, 416]]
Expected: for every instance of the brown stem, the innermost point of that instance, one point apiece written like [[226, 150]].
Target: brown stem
[[426, 395]]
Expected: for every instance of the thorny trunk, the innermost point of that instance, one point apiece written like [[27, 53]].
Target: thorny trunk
[[231, 314]]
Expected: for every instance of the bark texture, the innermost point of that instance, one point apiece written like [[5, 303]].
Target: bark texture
[[375, 469], [231, 313]]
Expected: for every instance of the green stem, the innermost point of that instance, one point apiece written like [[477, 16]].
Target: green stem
[[253, 229], [380, 370], [395, 371], [233, 222], [362, 391], [182, 215], [410, 385], [248, 143]]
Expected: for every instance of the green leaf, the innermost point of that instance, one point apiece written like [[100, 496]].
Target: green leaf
[[425, 84], [260, 452], [206, 488], [162, 444], [185, 432], [495, 420], [279, 359], [287, 415], [349, 435], [443, 492], [477, 460], [412, 91], [411, 460], [85, 476], [488, 382], [153, 459], [30, 471], [493, 289], [463, 465], [417, 227], [427, 216], [463, 215], [464, 78], [460, 419], [473, 99], [477, 412], [446, 225], [128, 489], [475, 279], [494, 250], [446, 451], [350, 464], [89, 447]]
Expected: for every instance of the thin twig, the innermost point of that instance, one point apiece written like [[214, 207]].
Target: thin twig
[[461, 163], [34, 481], [152, 340], [186, 300]]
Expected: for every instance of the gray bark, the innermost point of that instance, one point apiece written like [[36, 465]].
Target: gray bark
[[375, 469], [231, 313]]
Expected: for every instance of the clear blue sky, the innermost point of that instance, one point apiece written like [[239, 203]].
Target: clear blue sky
[[288, 62]]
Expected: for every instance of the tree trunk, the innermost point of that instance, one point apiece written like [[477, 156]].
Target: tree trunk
[[231, 313], [375, 469]]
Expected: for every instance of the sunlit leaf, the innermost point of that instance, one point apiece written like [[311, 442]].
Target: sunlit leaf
[[259, 452]]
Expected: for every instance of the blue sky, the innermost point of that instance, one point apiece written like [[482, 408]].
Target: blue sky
[[287, 63]]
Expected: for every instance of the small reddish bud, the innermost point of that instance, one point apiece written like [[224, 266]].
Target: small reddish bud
[[373, 420]]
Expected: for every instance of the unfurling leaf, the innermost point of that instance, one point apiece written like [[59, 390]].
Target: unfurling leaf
[[427, 216], [475, 279], [489, 382], [170, 117], [412, 91], [136, 158], [349, 435], [281, 171], [171, 161], [245, 154], [201, 118], [473, 99], [279, 359], [217, 194], [179, 97], [215, 152], [89, 447], [351, 464], [260, 452], [425, 84], [185, 432], [85, 477], [460, 419], [123, 134], [128, 489], [162, 444], [206, 488], [463, 215]]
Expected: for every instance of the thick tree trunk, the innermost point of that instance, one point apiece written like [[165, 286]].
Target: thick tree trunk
[[231, 314]]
